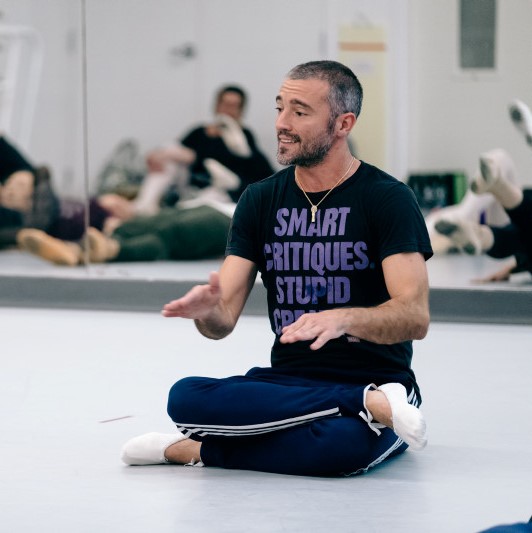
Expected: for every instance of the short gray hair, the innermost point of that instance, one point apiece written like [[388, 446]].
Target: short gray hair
[[345, 94]]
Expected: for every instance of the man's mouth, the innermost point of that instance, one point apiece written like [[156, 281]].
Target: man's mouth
[[287, 140]]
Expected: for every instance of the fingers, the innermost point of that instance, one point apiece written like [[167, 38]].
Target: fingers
[[502, 275], [307, 334], [180, 307], [214, 281], [294, 333], [196, 303], [320, 341], [492, 279], [192, 305], [310, 327]]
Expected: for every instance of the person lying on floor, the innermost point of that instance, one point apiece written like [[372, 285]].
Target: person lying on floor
[[175, 233], [28, 200], [35, 219], [497, 178]]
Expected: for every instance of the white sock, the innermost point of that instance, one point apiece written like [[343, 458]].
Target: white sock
[[497, 176], [473, 205], [233, 136], [221, 177], [149, 449], [408, 421], [471, 237], [152, 189]]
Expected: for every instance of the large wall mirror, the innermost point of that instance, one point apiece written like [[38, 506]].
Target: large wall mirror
[[90, 85], [103, 83], [40, 106]]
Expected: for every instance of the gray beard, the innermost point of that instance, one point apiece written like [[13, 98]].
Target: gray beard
[[310, 156]]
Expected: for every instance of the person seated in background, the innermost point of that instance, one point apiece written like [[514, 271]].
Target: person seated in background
[[195, 229], [189, 232], [224, 147], [497, 177], [217, 161], [28, 200]]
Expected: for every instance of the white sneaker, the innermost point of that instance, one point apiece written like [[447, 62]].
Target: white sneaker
[[497, 176], [521, 116], [464, 234], [489, 174], [408, 421], [221, 177], [233, 136], [148, 449]]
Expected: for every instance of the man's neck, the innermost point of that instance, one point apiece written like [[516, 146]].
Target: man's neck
[[327, 174]]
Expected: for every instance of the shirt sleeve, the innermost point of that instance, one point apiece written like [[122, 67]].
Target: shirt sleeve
[[242, 240], [398, 223]]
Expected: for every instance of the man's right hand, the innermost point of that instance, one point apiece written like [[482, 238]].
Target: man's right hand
[[214, 316], [198, 303]]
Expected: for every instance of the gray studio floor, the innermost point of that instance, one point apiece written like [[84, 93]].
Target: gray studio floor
[[75, 384]]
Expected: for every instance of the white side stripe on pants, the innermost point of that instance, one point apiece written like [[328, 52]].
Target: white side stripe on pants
[[254, 429]]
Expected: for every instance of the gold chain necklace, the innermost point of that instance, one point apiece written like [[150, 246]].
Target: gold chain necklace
[[314, 207]]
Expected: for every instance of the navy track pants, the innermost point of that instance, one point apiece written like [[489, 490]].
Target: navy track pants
[[273, 422]]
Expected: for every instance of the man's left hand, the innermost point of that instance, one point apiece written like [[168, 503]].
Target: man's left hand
[[322, 327]]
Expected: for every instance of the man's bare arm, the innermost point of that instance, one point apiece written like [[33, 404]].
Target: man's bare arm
[[404, 317], [215, 307]]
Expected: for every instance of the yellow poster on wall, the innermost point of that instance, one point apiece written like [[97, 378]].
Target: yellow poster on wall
[[364, 51]]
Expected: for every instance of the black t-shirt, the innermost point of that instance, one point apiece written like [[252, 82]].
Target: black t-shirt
[[334, 262], [249, 169], [11, 160]]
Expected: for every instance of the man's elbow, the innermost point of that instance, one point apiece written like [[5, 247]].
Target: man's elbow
[[214, 332], [421, 326]]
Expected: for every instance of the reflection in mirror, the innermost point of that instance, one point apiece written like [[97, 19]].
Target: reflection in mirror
[[41, 146], [182, 168], [152, 86], [168, 140], [152, 80], [153, 70]]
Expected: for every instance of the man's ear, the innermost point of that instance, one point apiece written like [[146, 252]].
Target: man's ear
[[345, 123]]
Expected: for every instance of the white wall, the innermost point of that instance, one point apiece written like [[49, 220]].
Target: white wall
[[139, 89], [439, 118], [455, 116], [57, 130]]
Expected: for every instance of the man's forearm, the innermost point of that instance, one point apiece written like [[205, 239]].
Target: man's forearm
[[388, 323]]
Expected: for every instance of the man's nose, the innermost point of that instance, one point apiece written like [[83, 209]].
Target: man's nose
[[282, 122]]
